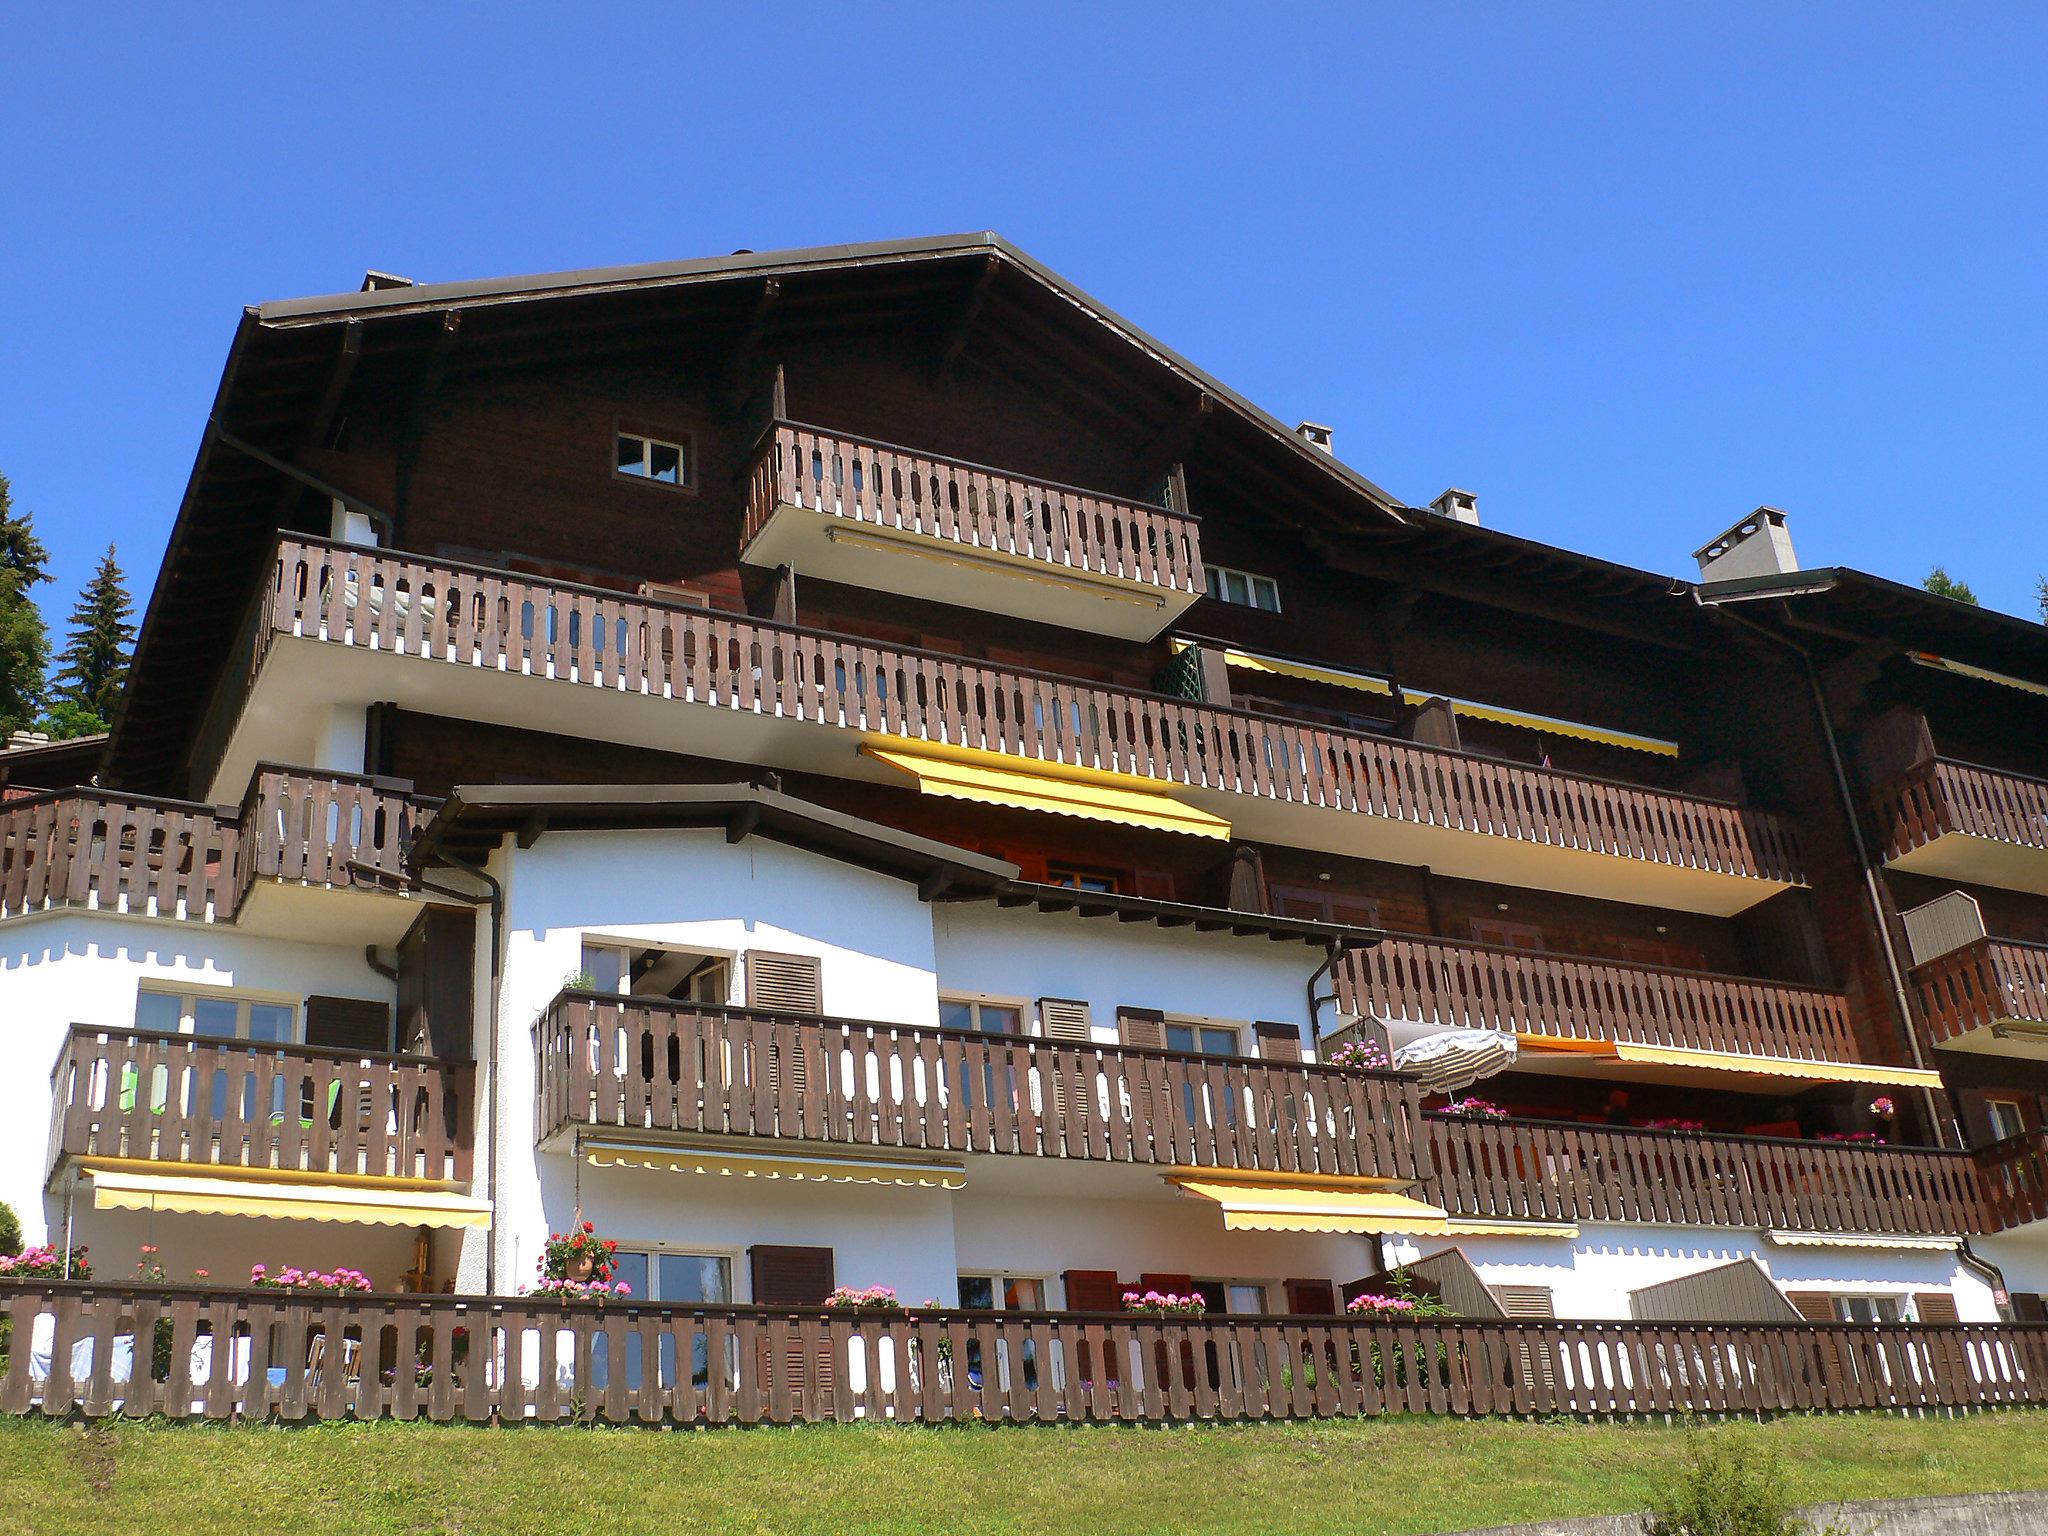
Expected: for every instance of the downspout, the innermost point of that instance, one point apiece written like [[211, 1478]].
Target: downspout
[[1893, 969], [497, 891]]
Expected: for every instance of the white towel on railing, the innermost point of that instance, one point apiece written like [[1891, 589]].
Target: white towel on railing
[[353, 595]]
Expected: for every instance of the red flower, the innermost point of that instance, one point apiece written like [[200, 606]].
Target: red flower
[[590, 1226], [609, 1245]]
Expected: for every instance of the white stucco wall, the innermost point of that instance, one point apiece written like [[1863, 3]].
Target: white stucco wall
[[689, 889], [64, 968], [1021, 954]]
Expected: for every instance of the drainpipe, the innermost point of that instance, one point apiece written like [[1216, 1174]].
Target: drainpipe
[[497, 903], [1886, 948], [1331, 955]]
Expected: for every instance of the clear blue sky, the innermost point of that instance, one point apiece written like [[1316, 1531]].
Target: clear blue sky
[[1626, 271]]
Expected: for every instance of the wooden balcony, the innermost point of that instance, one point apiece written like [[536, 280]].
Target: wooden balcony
[[194, 1100], [1957, 821], [503, 1360], [452, 639], [1478, 986], [1990, 995], [2013, 1175], [875, 515], [1555, 1172], [139, 856], [642, 1067]]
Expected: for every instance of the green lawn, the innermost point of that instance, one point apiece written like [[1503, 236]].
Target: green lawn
[[1350, 1476]]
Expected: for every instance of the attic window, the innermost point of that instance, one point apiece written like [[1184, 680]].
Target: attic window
[[1243, 588], [664, 461]]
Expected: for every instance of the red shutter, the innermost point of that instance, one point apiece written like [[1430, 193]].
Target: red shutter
[[1310, 1298], [1093, 1290], [1179, 1285]]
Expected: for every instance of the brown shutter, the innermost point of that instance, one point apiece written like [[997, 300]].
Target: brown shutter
[[1278, 1042], [1530, 1301], [788, 982], [1141, 1027], [436, 984], [1814, 1306], [1310, 1298], [790, 1276], [1935, 1307], [1179, 1285], [1066, 1020], [348, 1024], [2028, 1307], [1093, 1290]]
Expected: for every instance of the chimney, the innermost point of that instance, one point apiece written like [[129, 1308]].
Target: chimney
[[377, 282], [1316, 435], [1759, 545], [1459, 506]]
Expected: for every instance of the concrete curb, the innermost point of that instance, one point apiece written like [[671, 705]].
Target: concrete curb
[[1967, 1514]]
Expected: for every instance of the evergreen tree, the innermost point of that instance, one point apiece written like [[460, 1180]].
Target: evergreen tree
[[1941, 584], [94, 663], [24, 639]]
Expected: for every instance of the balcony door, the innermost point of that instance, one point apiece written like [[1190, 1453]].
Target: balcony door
[[220, 1016]]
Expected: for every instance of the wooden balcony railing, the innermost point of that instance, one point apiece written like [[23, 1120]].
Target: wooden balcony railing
[[1478, 986], [1944, 796], [148, 857], [190, 1099], [644, 1066], [498, 621], [1557, 1172], [885, 486], [2014, 1177], [1990, 981], [252, 1355], [117, 853]]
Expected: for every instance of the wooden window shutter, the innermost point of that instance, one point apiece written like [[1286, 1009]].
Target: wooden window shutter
[[1093, 1290], [1153, 884], [348, 1023], [1533, 1301], [1178, 1285], [1935, 1307], [1065, 1020], [1310, 1298], [1814, 1306], [1145, 1027], [1278, 1042], [1062, 1018], [786, 1276], [788, 982]]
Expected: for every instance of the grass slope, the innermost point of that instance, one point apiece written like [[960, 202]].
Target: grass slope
[[1356, 1477]]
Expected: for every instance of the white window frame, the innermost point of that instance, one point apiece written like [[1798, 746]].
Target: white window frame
[[686, 459], [726, 958], [1992, 1108], [737, 1278], [1230, 1283], [1841, 1301], [997, 1279], [1219, 588]]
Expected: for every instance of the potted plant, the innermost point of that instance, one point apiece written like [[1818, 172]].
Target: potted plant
[[341, 1281], [43, 1262], [873, 1298], [1358, 1055], [578, 1254]]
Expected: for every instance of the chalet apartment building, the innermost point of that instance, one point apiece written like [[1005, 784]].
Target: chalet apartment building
[[858, 766]]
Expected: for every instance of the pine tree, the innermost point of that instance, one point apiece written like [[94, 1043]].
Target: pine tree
[[94, 663], [24, 639], [1941, 584]]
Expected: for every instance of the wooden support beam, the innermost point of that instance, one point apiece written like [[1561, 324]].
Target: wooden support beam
[[1176, 440], [531, 829], [412, 430], [321, 423], [963, 323], [740, 380], [742, 825]]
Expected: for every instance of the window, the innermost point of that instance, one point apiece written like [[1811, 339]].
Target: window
[[1202, 1039], [1326, 906], [1238, 1298], [681, 975], [679, 1279], [1870, 1309], [1243, 588], [1002, 1293], [1076, 878], [659, 460], [218, 1016], [983, 1018], [2006, 1119]]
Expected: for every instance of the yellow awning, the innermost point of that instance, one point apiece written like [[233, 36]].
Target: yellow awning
[[1982, 674], [908, 1173], [1460, 1226], [1857, 1240], [1779, 1066], [1313, 1208], [293, 1200], [1365, 682], [990, 777]]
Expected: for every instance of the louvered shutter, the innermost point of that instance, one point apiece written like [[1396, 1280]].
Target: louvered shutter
[[1935, 1307], [1533, 1301], [348, 1023], [793, 984], [1067, 1021], [1145, 1027], [789, 1276], [1278, 1042], [1814, 1306], [1093, 1290], [1310, 1298]]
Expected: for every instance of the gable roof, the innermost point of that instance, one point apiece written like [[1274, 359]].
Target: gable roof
[[291, 363]]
